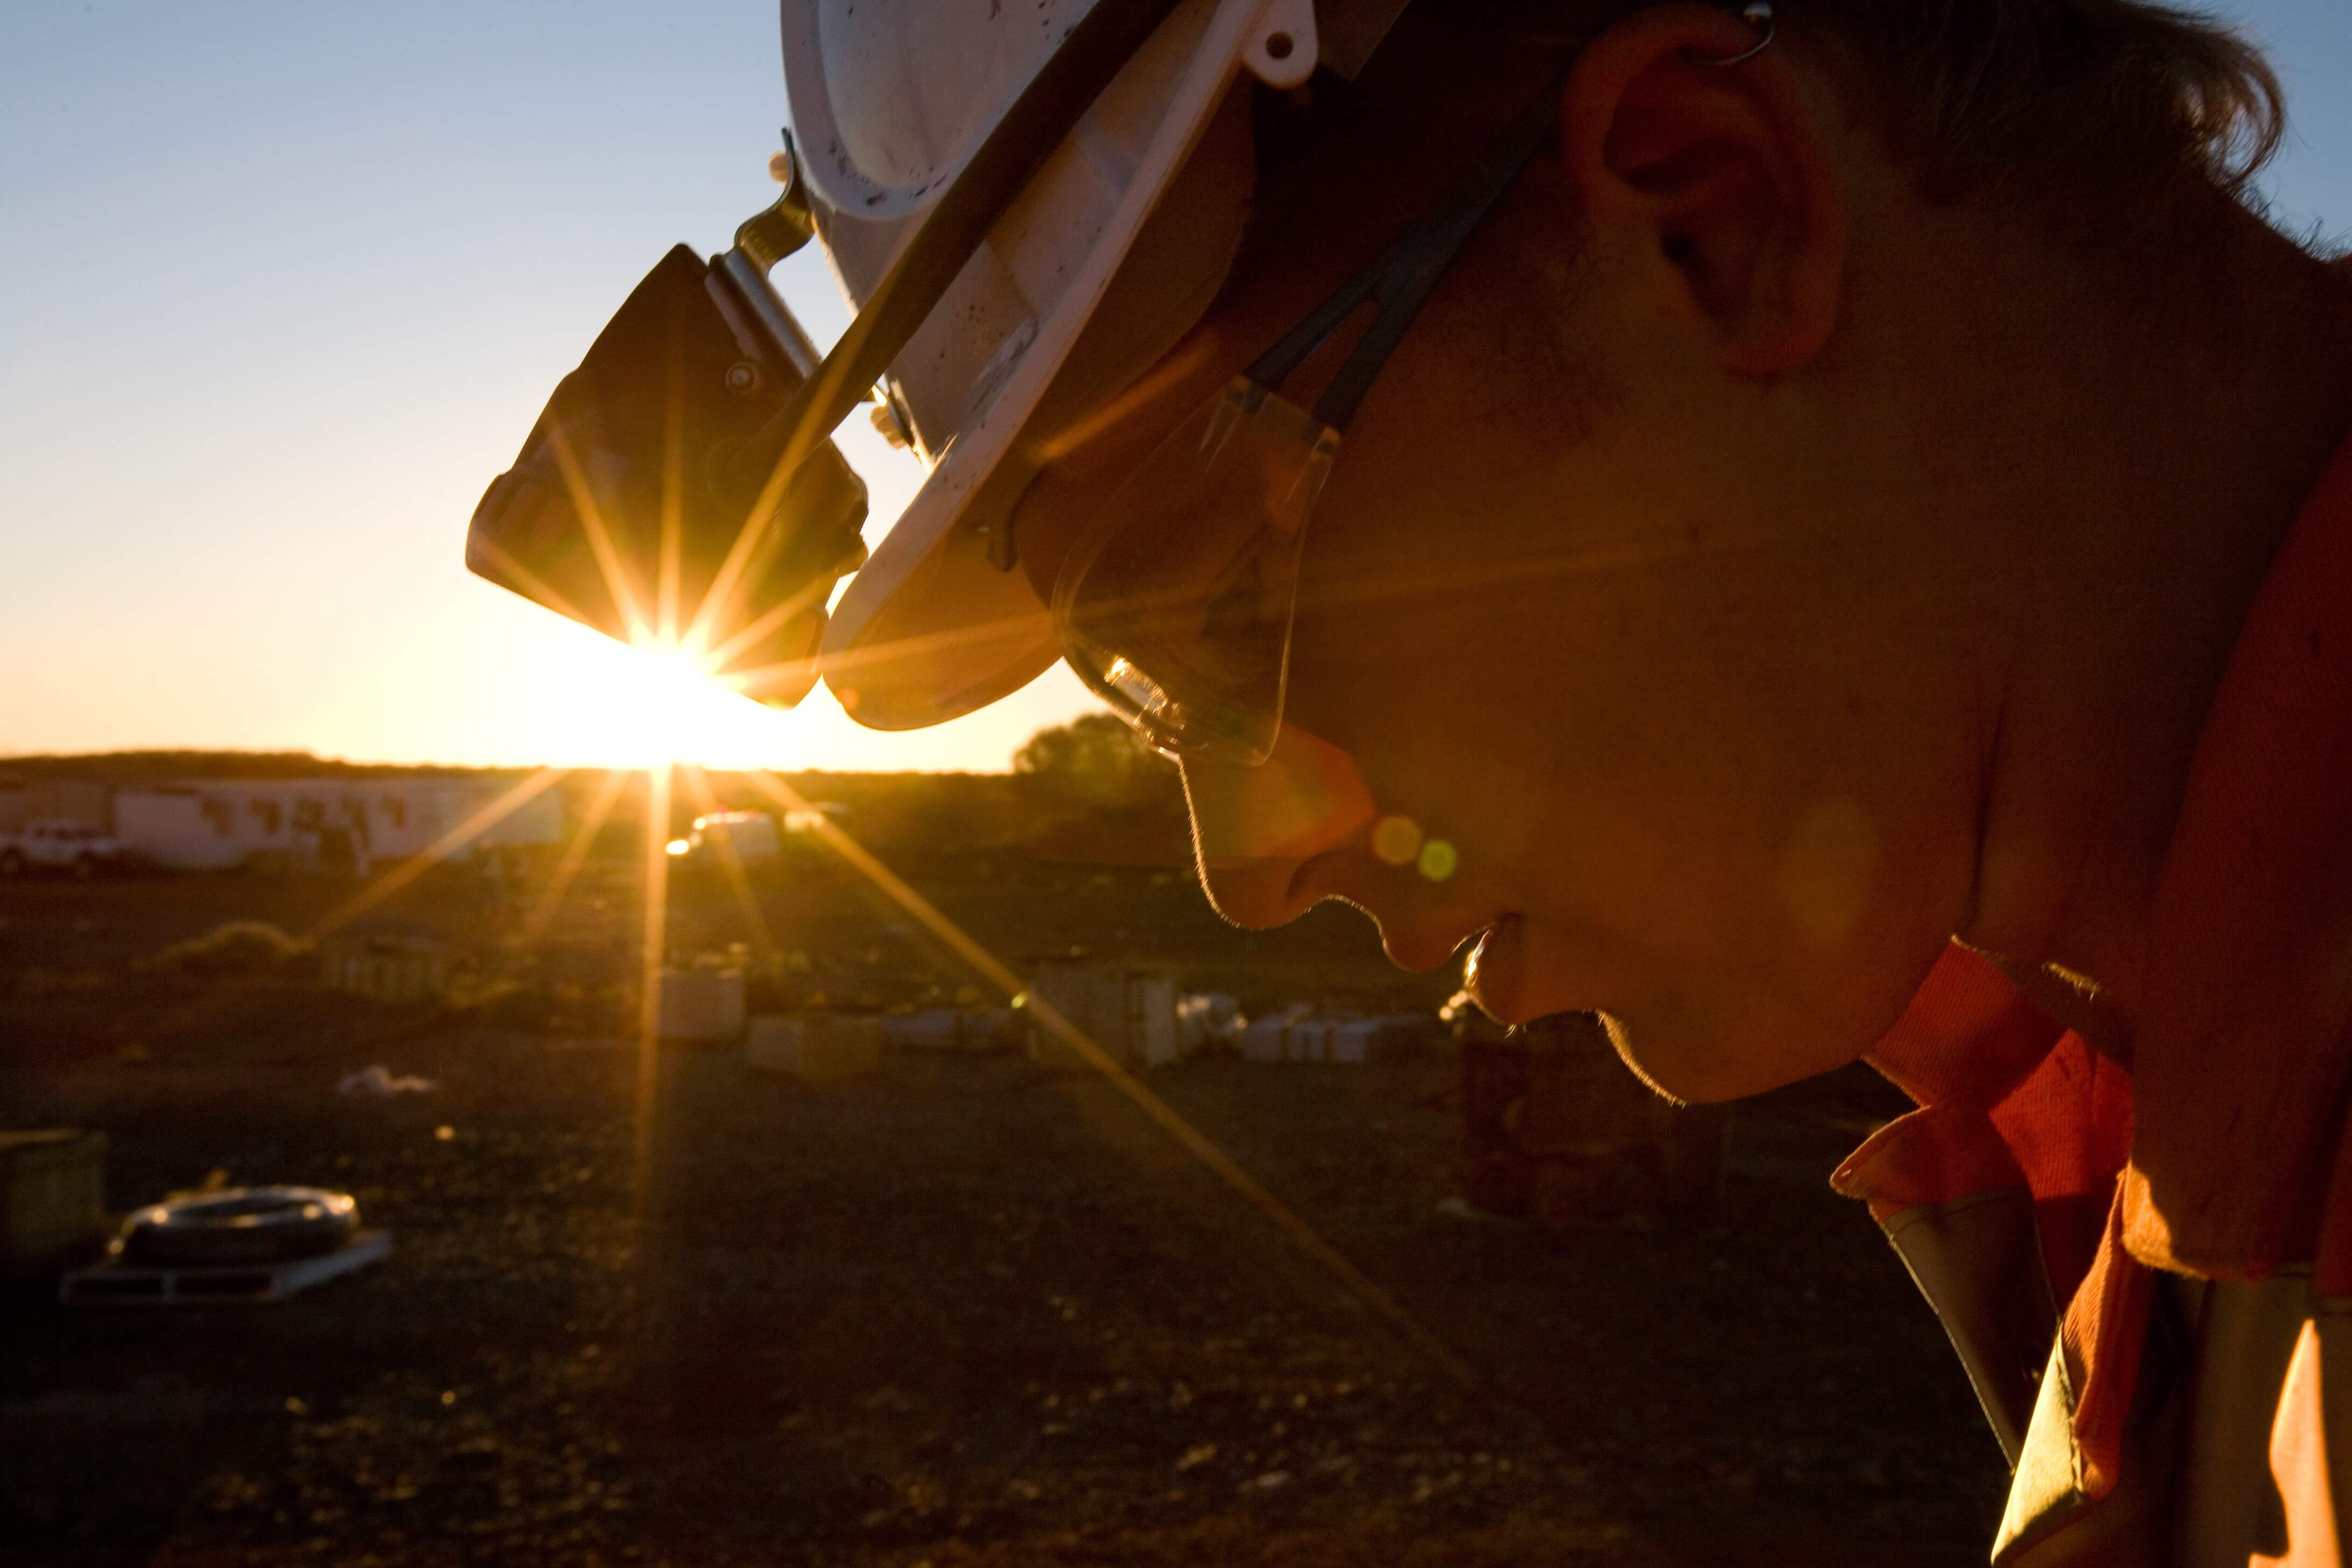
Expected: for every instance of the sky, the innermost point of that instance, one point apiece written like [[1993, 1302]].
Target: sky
[[282, 286]]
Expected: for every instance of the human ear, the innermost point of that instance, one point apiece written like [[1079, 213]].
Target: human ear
[[1720, 172]]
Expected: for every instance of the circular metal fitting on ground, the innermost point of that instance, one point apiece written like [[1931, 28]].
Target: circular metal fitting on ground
[[240, 1225]]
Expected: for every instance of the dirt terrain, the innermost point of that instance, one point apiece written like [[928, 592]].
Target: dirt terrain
[[966, 1312]]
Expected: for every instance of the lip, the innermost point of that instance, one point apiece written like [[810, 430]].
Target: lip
[[1418, 954], [1416, 947]]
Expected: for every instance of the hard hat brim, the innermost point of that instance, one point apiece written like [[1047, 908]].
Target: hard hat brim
[[930, 627]]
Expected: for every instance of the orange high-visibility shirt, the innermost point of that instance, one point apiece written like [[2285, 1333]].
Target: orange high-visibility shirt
[[2148, 1269]]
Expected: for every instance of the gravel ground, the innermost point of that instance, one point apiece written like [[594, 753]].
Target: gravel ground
[[966, 1312]]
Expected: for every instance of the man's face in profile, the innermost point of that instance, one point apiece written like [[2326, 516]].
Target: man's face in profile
[[1631, 624]]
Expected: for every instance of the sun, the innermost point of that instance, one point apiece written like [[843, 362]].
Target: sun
[[651, 705]]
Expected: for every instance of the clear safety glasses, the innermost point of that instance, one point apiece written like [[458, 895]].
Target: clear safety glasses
[[1178, 605]]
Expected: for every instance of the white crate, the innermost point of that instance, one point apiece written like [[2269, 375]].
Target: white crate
[[702, 1004], [1310, 1041], [1261, 1039], [818, 1047], [970, 1030], [52, 1197], [386, 968], [1351, 1042]]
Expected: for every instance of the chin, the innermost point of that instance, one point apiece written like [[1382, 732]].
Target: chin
[[1688, 1078], [1700, 1043], [1728, 1055]]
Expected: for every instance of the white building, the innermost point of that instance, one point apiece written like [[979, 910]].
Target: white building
[[349, 825]]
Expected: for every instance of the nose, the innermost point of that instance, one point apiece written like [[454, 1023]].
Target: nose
[[1254, 829]]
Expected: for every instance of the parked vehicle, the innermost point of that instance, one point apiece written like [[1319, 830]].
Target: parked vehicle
[[55, 844], [749, 836]]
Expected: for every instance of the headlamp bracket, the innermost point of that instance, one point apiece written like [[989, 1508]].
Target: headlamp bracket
[[620, 507]]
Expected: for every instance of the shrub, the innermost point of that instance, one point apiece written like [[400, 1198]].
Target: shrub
[[231, 948]]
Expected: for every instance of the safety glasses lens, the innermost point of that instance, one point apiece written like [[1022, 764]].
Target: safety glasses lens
[[1178, 611]]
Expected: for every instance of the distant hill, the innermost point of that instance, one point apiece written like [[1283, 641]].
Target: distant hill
[[124, 767], [1061, 814], [161, 763]]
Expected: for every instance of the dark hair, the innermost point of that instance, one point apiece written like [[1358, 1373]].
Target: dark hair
[[2032, 93], [2037, 96]]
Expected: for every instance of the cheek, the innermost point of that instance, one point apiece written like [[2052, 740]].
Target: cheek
[[1436, 681], [1437, 745], [1403, 570]]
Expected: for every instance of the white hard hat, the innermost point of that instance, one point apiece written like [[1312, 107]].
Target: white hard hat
[[1110, 252]]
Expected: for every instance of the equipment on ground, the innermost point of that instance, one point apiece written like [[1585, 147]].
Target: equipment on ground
[[241, 1226], [119, 1282], [52, 1197], [699, 1004], [1128, 1009], [816, 1047], [743, 838]]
